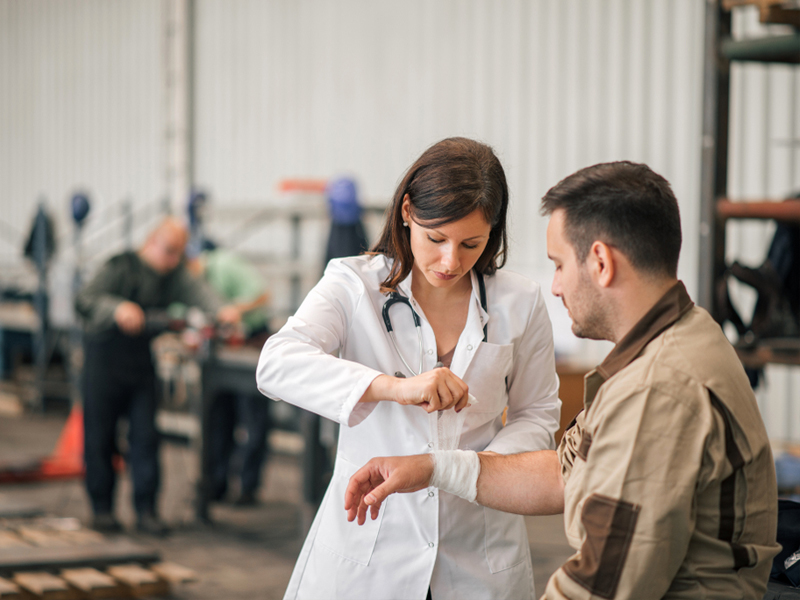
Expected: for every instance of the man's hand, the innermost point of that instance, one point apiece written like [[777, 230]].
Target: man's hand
[[379, 478], [229, 315], [129, 317]]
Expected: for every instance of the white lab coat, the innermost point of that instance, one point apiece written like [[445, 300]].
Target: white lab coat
[[460, 549]]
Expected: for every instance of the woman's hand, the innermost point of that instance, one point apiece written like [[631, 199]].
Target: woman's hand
[[434, 390]]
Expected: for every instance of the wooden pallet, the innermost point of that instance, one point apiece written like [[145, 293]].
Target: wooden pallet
[[58, 559], [770, 11], [130, 580]]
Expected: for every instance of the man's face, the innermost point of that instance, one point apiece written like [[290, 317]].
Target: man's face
[[573, 284], [166, 249]]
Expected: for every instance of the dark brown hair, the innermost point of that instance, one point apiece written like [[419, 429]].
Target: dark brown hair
[[448, 182], [626, 205]]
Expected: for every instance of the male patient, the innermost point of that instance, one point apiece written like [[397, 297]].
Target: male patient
[[666, 477]]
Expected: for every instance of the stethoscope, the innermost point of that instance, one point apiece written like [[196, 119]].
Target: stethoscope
[[394, 298]]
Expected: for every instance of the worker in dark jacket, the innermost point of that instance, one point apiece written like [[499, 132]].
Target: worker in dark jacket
[[119, 376]]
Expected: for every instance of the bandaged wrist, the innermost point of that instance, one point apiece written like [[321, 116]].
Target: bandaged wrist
[[456, 472]]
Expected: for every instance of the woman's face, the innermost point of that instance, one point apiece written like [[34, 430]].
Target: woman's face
[[446, 253]]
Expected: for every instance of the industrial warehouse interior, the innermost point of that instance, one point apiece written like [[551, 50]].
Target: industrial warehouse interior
[[209, 207]]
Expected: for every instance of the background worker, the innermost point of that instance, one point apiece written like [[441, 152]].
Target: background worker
[[237, 282], [666, 478], [118, 374]]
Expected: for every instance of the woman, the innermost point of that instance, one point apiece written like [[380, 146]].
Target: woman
[[436, 263]]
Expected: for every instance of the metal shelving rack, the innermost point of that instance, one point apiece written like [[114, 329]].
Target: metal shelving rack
[[721, 49]]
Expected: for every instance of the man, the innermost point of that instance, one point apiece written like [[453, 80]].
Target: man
[[238, 282], [666, 477], [118, 373]]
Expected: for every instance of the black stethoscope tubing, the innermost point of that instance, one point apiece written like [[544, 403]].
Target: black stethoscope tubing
[[395, 297]]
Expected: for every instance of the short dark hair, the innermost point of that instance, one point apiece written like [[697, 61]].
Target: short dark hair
[[626, 205], [451, 179]]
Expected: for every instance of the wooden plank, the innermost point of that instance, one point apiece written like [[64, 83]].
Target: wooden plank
[[764, 355], [99, 556], [139, 581], [11, 591], [786, 210], [43, 538], [729, 4], [9, 539], [94, 583], [46, 586], [83, 537], [176, 574], [770, 11], [9, 509], [777, 14]]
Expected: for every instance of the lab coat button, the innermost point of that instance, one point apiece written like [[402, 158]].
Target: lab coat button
[[430, 494], [430, 544], [430, 351], [430, 444], [469, 346]]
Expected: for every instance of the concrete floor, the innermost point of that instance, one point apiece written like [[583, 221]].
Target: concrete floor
[[248, 553]]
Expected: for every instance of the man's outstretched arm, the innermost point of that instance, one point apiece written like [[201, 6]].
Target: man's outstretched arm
[[529, 483]]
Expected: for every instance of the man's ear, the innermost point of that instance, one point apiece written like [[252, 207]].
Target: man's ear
[[602, 264]]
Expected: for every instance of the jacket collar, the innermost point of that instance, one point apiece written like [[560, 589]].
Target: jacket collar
[[664, 313]]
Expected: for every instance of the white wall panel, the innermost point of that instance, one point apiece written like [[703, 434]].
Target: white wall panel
[[79, 109], [309, 88], [314, 88]]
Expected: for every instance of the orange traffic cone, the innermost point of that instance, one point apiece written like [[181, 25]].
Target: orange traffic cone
[[67, 459]]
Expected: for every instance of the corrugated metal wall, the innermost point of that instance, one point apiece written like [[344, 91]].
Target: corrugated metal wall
[[309, 88], [80, 108], [764, 163], [291, 88], [299, 87]]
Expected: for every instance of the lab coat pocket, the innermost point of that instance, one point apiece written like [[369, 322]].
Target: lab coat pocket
[[506, 540], [348, 540], [486, 376]]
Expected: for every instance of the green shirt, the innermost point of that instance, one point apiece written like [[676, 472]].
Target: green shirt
[[236, 280]]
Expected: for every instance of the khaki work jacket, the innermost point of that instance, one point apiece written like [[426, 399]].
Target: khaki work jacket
[[670, 484]]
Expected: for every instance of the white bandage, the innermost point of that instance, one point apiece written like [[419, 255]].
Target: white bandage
[[456, 472], [450, 423]]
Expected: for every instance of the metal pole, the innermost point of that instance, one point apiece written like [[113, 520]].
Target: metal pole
[[207, 360], [714, 165], [294, 294], [776, 48], [40, 301], [76, 334], [177, 75], [127, 222]]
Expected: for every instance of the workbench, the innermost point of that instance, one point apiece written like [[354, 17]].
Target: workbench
[[233, 369]]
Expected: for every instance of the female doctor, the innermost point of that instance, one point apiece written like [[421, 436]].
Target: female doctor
[[430, 292]]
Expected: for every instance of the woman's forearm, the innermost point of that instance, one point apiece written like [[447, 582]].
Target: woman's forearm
[[381, 389]]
